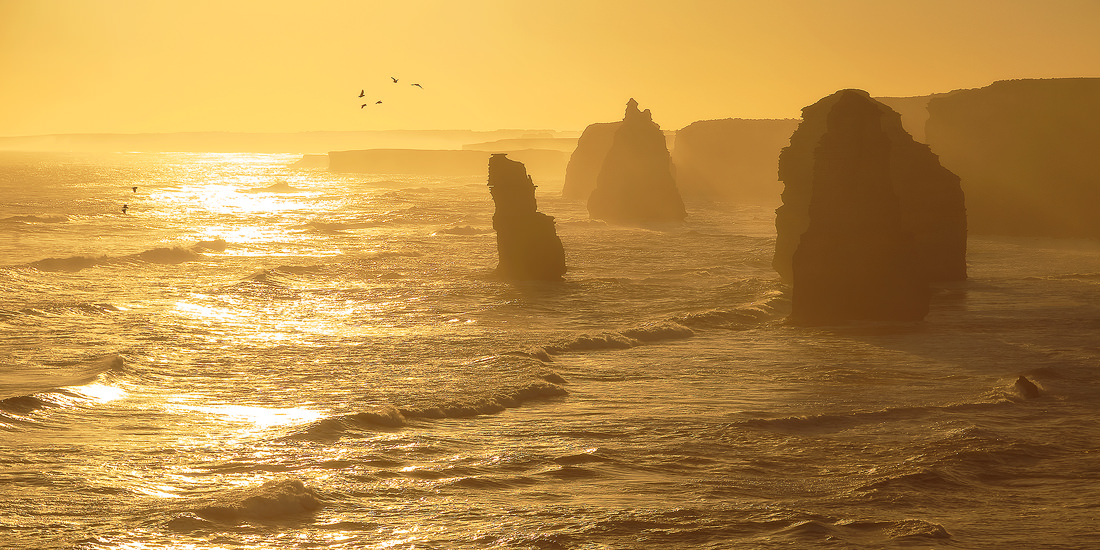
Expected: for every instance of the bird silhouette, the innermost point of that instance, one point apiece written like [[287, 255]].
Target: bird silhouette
[[363, 105], [377, 102], [394, 80], [135, 189], [418, 86], [124, 207], [362, 93]]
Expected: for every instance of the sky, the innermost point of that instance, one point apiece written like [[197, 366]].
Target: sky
[[133, 66]]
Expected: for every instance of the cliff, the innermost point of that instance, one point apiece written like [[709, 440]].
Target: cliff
[[527, 244], [1027, 153], [548, 165], [931, 204], [731, 159], [871, 215], [635, 185], [587, 159]]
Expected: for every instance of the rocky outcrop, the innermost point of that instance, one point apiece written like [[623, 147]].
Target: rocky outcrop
[[869, 217], [931, 205], [527, 244], [1027, 153], [635, 185], [731, 159], [587, 159], [546, 165]]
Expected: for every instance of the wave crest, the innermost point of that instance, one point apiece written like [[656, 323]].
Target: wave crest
[[273, 500], [35, 219], [464, 230], [160, 255], [391, 418]]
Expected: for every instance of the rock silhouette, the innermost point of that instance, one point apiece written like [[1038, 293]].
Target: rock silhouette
[[587, 159], [635, 185], [848, 184], [731, 159], [527, 244], [930, 198], [1026, 388]]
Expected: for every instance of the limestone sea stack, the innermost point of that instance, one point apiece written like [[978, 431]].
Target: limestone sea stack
[[930, 198], [527, 244], [587, 159], [635, 185], [855, 210]]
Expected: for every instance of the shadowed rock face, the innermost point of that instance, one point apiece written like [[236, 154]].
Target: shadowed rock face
[[930, 199], [587, 159], [527, 244], [635, 185], [859, 256]]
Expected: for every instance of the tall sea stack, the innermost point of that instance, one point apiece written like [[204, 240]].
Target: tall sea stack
[[635, 185], [527, 244], [869, 217], [930, 198]]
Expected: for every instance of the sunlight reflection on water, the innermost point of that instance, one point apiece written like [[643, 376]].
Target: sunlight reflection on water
[[259, 416]]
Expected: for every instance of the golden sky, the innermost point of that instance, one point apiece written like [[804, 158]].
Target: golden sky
[[69, 66]]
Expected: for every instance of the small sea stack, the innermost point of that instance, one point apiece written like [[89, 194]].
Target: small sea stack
[[527, 243], [857, 257], [1026, 388], [635, 185]]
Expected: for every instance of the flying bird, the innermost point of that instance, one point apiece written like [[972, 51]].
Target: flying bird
[[362, 93], [377, 102], [394, 80], [418, 86], [363, 105]]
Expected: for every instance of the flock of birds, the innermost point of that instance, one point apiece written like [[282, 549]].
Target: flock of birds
[[363, 93]]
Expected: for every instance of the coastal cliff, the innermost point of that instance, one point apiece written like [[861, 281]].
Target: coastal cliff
[[1027, 153], [731, 159], [546, 164]]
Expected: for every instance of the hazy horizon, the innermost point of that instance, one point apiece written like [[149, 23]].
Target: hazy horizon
[[118, 67]]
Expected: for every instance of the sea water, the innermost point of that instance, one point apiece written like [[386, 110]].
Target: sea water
[[257, 356]]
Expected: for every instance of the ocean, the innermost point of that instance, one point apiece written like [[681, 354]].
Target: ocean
[[259, 356]]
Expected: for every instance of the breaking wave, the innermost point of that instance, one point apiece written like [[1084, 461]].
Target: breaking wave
[[273, 500], [391, 417], [463, 230], [35, 219], [835, 422], [48, 310], [28, 392], [675, 328], [79, 375], [161, 255]]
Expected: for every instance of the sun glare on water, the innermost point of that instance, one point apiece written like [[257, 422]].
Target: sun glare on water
[[260, 417]]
